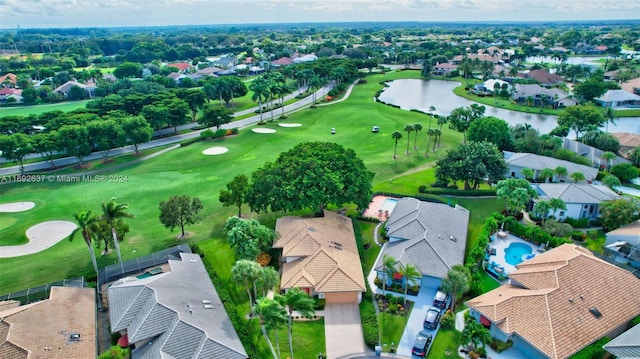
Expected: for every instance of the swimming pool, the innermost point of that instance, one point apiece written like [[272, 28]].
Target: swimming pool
[[389, 204], [514, 253]]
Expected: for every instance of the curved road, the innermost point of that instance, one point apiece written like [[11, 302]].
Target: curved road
[[293, 107]]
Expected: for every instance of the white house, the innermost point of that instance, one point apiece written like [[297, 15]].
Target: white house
[[582, 199]]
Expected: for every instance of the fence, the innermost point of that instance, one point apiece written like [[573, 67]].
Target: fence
[[42, 292], [116, 271]]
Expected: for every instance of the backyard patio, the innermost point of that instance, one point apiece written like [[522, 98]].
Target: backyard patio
[[506, 251]]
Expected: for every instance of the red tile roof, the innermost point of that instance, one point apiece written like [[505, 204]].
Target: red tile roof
[[181, 65]]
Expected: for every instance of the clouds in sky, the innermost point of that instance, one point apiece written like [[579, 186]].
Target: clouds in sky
[[101, 13]]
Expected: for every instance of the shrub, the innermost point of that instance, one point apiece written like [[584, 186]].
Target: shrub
[[500, 346], [578, 223], [556, 228], [578, 236], [206, 134], [422, 188], [448, 320], [220, 133], [190, 141], [482, 352], [369, 320], [624, 171]]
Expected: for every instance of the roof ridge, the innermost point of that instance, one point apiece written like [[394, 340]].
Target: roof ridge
[[553, 341], [124, 312], [146, 316]]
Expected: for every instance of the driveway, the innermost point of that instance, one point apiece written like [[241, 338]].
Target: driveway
[[343, 330], [423, 302]]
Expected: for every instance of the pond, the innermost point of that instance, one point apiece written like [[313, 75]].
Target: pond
[[422, 94]]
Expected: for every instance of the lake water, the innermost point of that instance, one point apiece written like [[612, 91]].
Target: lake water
[[422, 94]]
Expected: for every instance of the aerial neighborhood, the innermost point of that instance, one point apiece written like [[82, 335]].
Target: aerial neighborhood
[[321, 190]]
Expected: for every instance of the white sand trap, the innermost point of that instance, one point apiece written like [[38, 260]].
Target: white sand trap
[[290, 124], [263, 130], [215, 151], [16, 207], [41, 236]]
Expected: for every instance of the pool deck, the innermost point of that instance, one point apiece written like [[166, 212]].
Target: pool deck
[[500, 244], [376, 204]]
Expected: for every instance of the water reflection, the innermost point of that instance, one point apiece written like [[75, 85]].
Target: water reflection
[[422, 94]]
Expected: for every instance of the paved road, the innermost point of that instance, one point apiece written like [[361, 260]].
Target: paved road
[[293, 107]]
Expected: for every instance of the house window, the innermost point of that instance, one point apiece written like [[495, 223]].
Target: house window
[[561, 214]]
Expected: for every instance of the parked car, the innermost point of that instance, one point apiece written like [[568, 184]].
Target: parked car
[[431, 319], [440, 300], [423, 339]]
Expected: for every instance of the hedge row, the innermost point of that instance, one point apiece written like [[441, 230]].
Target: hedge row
[[369, 319]]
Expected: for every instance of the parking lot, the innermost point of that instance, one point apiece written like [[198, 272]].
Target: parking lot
[[423, 302]]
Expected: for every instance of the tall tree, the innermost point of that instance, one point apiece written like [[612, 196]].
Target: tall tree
[[389, 264], [580, 118], [619, 212], [45, 144], [137, 131], [215, 115], [472, 163], [396, 135], [295, 299], [456, 283], [310, 175], [235, 193], [417, 128], [260, 88], [430, 133], [557, 204], [180, 211], [409, 129], [608, 156], [491, 129], [16, 147], [461, 118], [87, 222], [74, 141], [246, 272], [106, 135], [267, 279], [112, 212], [272, 315], [248, 237], [514, 200], [411, 274]]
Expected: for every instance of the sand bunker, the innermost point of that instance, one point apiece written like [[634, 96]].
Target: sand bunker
[[16, 207], [215, 151], [290, 124], [263, 130], [41, 236]]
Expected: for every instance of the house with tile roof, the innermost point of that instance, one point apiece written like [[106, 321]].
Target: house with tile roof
[[61, 327], [559, 302], [283, 61], [8, 80], [544, 77], [536, 95], [443, 69], [625, 345], [618, 99], [583, 200], [632, 86], [182, 67], [320, 256], [175, 314], [430, 236], [520, 160], [66, 87]]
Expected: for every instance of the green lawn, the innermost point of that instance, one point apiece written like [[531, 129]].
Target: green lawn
[[38, 109], [507, 104], [392, 327], [308, 339], [480, 209], [445, 345]]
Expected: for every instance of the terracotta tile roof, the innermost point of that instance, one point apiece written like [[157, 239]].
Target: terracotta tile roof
[[631, 85], [549, 300], [12, 78], [627, 139], [630, 229], [328, 255], [26, 331], [180, 65], [544, 77]]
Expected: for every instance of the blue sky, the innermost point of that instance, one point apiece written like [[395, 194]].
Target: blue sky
[[105, 13]]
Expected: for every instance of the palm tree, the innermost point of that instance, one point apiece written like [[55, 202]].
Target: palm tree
[[272, 315], [296, 299], [442, 120], [546, 173], [396, 136], [432, 109], [416, 127], [430, 132], [476, 334], [456, 283], [87, 222], [408, 128], [315, 82], [246, 272], [388, 268], [436, 135], [556, 204], [541, 209], [411, 274], [560, 171], [260, 88], [608, 156], [528, 173], [111, 213], [611, 116], [577, 177]]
